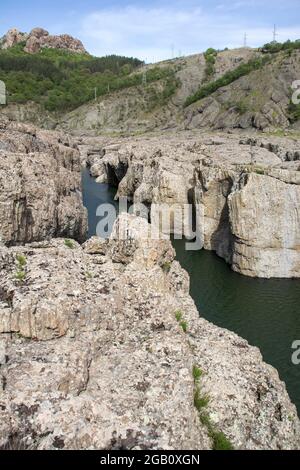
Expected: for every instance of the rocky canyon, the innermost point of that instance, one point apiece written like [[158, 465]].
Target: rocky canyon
[[102, 346], [245, 191]]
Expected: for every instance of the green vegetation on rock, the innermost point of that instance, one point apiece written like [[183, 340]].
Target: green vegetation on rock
[[274, 47], [201, 401], [69, 244], [227, 79], [210, 58]]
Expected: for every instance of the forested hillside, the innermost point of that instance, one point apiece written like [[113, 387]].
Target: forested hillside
[[62, 80]]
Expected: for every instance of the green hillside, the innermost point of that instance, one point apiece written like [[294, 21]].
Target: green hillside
[[62, 81]]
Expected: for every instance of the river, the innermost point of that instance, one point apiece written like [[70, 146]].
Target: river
[[265, 312]]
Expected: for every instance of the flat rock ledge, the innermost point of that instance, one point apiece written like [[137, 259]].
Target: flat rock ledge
[[92, 355]]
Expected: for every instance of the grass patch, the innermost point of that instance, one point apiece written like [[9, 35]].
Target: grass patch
[[220, 441], [178, 315], [197, 373], [166, 267], [184, 325], [69, 244], [21, 259], [21, 274], [201, 401]]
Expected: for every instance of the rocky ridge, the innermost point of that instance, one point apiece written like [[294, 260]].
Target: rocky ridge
[[38, 39], [99, 360], [40, 190], [245, 191]]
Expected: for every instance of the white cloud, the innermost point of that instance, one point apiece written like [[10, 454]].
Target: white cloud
[[149, 33]]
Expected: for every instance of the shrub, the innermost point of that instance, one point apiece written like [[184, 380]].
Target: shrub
[[274, 47], [210, 58]]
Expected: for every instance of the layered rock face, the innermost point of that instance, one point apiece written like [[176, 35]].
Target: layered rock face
[[38, 39], [245, 192], [92, 356], [40, 186]]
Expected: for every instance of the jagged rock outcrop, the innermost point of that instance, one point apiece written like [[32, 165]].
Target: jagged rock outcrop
[[38, 39], [11, 38], [40, 186], [245, 192], [92, 356]]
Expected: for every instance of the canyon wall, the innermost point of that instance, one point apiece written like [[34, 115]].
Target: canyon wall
[[40, 186], [245, 192]]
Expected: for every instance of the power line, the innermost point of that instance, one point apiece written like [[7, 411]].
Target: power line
[[144, 80], [275, 34], [172, 50]]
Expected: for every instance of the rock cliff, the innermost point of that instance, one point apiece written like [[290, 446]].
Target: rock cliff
[[40, 186], [245, 191], [99, 346], [38, 39]]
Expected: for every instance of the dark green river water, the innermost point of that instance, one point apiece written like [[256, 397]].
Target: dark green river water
[[265, 312]]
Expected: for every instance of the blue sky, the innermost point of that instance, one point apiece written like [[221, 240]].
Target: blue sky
[[151, 30]]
